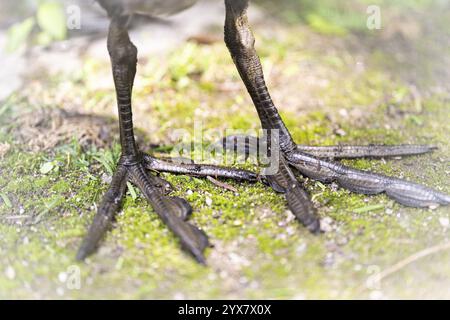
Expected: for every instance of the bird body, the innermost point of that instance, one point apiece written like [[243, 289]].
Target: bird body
[[149, 7]]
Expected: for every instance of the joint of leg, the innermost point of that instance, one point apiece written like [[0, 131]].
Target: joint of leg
[[239, 40], [124, 53], [130, 160]]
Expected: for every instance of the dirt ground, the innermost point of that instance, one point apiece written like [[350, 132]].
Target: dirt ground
[[334, 81]]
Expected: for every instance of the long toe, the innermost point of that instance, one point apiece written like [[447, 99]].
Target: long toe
[[297, 198], [365, 182], [105, 213], [173, 211], [370, 151]]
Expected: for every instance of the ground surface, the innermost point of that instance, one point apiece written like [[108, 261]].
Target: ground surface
[[333, 82]]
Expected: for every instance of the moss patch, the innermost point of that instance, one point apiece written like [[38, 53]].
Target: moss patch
[[260, 250]]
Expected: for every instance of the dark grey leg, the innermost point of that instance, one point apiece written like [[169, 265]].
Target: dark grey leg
[[173, 211], [240, 41], [308, 160]]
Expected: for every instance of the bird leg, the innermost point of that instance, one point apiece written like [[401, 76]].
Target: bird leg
[[311, 161], [133, 165]]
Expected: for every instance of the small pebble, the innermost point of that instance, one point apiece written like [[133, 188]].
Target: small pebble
[[343, 113], [10, 273], [290, 216], [212, 276], [62, 277], [444, 222], [208, 202], [281, 236], [282, 223], [325, 224], [106, 178], [340, 132], [376, 295], [341, 241], [328, 260], [290, 230], [243, 280], [179, 296], [60, 291], [217, 214], [301, 249]]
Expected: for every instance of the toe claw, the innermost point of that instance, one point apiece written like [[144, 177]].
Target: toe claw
[[303, 209], [196, 243], [183, 207], [415, 195]]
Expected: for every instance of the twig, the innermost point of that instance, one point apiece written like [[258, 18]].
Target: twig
[[408, 260], [222, 184], [412, 258]]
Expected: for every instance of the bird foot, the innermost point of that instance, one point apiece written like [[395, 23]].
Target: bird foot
[[312, 162], [319, 163], [174, 211]]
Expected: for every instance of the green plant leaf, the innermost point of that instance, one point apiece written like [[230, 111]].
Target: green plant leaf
[[325, 26], [47, 167], [365, 209], [132, 191], [18, 34], [44, 39], [52, 19], [6, 200]]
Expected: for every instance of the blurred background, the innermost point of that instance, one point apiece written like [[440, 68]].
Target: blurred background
[[413, 33], [338, 74]]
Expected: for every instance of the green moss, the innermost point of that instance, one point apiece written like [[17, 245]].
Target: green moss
[[260, 250]]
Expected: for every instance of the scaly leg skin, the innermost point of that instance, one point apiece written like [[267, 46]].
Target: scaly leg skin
[[249, 145], [133, 165], [402, 191], [197, 170], [173, 211], [311, 161], [240, 42]]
